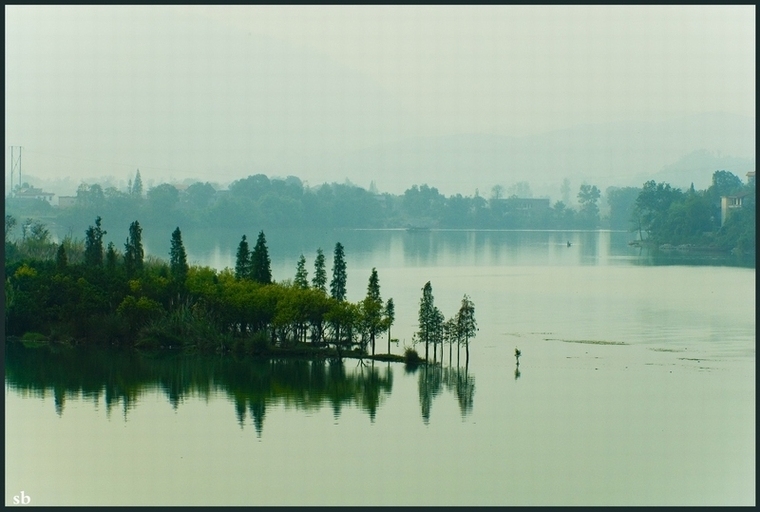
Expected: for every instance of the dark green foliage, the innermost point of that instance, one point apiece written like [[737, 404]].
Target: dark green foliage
[[467, 327], [339, 277], [320, 274], [670, 216], [173, 305], [390, 317], [651, 208], [111, 257], [372, 309], [243, 260], [426, 317], [93, 249], [261, 270], [61, 261], [185, 326], [133, 250], [301, 280], [178, 258], [411, 357]]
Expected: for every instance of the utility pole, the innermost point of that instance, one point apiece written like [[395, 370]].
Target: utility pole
[[15, 164]]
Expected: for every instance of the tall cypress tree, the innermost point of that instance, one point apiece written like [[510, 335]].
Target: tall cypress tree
[[373, 308], [93, 244], [133, 250], [426, 316], [137, 186], [390, 317], [339, 277], [301, 280], [178, 258], [243, 260], [320, 274], [466, 324], [261, 270]]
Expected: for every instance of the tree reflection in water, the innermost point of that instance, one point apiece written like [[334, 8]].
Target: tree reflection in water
[[434, 378], [252, 385]]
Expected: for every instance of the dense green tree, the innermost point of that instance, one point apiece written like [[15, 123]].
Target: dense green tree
[[261, 270], [61, 261], [162, 200], [93, 248], [319, 281], [243, 260], [426, 317], [137, 185], [301, 280], [687, 219], [111, 257], [390, 317], [424, 203], [724, 183], [451, 336], [178, 258], [651, 208], [588, 197], [133, 250], [372, 309], [339, 276], [198, 195], [90, 197], [467, 327], [250, 188]]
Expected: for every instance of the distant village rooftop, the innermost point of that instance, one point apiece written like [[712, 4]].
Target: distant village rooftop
[[27, 192]]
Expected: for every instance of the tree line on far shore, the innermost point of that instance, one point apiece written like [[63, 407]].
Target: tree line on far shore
[[665, 213]]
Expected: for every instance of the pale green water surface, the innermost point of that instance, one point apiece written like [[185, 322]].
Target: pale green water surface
[[636, 386]]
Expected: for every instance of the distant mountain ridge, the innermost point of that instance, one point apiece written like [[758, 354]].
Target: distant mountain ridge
[[606, 154]]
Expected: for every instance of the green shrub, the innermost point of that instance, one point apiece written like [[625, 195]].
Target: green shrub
[[411, 357]]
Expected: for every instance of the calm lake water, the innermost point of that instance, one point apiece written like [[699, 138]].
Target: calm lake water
[[636, 386]]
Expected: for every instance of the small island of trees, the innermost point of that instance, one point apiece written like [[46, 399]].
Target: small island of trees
[[80, 292]]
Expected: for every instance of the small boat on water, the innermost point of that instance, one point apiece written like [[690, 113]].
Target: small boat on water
[[568, 243]]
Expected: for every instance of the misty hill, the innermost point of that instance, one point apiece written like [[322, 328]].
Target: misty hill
[[698, 166], [607, 154]]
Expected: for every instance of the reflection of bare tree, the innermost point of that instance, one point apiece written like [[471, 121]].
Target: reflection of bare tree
[[434, 378], [465, 391], [429, 384]]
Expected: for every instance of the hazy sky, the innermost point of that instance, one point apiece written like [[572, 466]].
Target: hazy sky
[[217, 93]]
